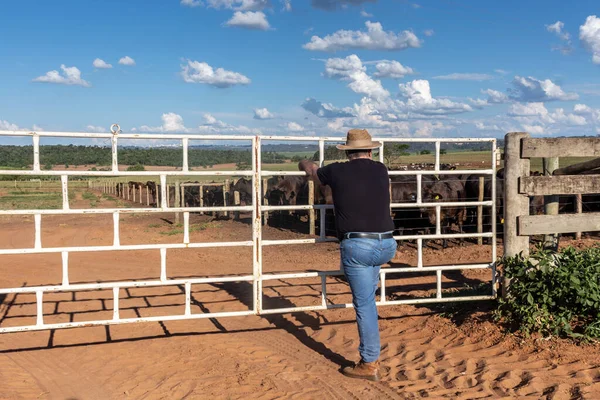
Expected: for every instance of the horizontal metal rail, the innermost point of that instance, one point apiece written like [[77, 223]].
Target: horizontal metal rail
[[125, 284]]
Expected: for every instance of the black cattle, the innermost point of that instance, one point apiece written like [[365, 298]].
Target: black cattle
[[152, 188], [408, 221], [244, 187], [191, 195], [446, 190]]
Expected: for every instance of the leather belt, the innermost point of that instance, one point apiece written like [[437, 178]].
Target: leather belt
[[360, 235]]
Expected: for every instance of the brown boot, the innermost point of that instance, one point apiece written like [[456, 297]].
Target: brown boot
[[363, 370]]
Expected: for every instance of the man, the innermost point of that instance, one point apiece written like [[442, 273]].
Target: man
[[361, 199]]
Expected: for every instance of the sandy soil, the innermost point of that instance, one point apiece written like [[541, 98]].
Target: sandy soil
[[297, 355]]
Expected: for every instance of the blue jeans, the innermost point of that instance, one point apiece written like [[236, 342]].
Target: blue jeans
[[362, 259]]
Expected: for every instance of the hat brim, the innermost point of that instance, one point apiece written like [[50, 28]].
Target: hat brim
[[374, 145]]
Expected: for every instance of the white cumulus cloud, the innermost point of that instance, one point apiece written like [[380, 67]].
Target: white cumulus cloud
[[294, 127], [558, 29], [127, 61], [7, 126], [256, 20], [419, 100], [70, 76], [375, 38], [351, 69], [171, 123], [201, 72], [365, 14], [495, 96], [101, 64], [530, 89], [392, 69], [262, 113], [589, 34], [428, 32]]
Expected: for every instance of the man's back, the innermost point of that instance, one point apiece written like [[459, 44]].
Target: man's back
[[361, 195]]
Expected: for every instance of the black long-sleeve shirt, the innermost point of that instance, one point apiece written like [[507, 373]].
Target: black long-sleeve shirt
[[361, 195]]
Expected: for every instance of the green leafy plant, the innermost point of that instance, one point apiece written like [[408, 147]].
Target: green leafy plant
[[553, 293]]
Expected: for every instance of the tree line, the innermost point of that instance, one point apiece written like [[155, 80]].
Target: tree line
[[22, 156]]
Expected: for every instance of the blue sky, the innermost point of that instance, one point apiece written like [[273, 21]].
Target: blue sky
[[399, 68]]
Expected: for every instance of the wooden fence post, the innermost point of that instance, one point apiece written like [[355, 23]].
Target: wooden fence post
[[177, 201], [265, 200], [578, 210], [201, 198], [515, 204], [225, 193], [480, 210], [311, 212], [550, 164], [236, 202]]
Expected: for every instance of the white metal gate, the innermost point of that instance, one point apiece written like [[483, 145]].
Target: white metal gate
[[257, 277]]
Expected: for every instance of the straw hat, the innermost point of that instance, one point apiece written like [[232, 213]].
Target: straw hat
[[358, 139]]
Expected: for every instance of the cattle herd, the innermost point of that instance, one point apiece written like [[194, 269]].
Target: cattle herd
[[294, 190]]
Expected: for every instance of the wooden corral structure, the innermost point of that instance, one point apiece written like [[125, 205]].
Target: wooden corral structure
[[519, 225]]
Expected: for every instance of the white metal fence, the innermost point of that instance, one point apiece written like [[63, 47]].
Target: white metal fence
[[256, 243]]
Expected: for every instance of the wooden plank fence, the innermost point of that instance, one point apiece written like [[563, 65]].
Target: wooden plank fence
[[518, 186]]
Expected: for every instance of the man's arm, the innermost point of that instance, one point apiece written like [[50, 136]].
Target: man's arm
[[310, 168]]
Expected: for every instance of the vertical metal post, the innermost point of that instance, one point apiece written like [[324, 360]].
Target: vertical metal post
[[495, 162], [39, 300], [163, 264], [439, 284], [264, 198], [257, 226], [188, 298], [37, 218], [311, 212], [65, 268], [64, 180], [177, 201], [480, 210], [116, 316], [116, 239], [186, 227], [184, 143], [437, 156], [515, 204], [36, 152], [115, 129], [163, 192], [323, 290], [147, 196], [550, 202]]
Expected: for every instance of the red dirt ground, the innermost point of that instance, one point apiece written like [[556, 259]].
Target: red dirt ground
[[278, 356]]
